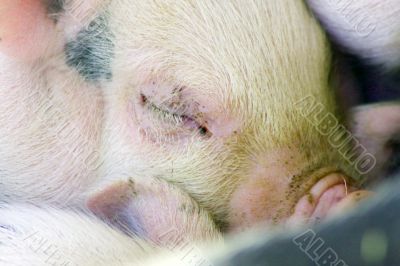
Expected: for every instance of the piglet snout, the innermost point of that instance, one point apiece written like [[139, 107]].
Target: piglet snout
[[329, 196]]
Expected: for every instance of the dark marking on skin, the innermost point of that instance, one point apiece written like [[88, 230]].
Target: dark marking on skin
[[129, 222], [92, 51], [54, 8]]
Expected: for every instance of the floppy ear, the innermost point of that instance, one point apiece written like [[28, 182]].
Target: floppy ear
[[26, 29], [154, 210], [377, 127]]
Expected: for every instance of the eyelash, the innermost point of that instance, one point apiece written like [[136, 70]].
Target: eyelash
[[173, 117], [165, 115]]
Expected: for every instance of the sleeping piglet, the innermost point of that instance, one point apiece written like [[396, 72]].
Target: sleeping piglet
[[228, 102]]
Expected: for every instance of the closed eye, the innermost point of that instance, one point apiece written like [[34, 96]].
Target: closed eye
[[176, 118]]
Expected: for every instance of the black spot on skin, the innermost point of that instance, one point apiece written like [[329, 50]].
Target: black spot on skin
[[54, 8], [92, 51]]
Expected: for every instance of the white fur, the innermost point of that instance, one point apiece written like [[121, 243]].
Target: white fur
[[46, 236], [369, 28], [33, 236]]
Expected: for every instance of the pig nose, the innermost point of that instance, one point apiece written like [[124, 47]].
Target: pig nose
[[331, 195]]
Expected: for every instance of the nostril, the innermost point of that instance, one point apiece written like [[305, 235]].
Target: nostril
[[393, 163]]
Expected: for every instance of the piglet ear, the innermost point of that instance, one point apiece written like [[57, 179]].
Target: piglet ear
[[377, 127], [26, 29], [114, 205], [154, 210]]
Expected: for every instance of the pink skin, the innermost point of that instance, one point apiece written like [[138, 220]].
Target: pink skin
[[254, 203], [156, 209], [25, 31]]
